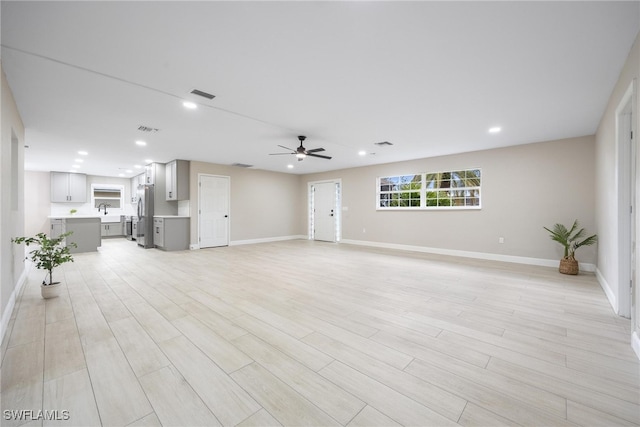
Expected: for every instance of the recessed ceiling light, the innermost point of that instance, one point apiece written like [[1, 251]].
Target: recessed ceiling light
[[141, 143], [147, 161], [128, 171], [120, 174], [290, 166], [137, 166], [79, 160], [190, 105], [75, 166], [362, 153], [495, 129], [83, 153]]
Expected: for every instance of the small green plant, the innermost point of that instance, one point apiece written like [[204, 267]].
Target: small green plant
[[49, 253], [73, 211], [571, 239]]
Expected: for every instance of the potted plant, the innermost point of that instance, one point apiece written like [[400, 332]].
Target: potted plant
[[571, 239], [49, 253]]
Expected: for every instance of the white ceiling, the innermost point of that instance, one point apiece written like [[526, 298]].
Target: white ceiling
[[430, 77]]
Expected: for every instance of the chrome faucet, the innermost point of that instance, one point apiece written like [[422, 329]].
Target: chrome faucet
[[105, 206]]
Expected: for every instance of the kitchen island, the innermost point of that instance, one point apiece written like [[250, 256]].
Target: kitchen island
[[86, 231]]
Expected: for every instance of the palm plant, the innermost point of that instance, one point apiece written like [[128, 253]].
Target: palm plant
[[571, 239], [49, 254]]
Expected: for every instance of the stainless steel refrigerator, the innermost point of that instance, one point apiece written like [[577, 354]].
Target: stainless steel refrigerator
[[144, 235]]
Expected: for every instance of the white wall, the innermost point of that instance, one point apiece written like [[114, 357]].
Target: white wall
[[523, 189], [37, 196], [607, 210], [11, 202]]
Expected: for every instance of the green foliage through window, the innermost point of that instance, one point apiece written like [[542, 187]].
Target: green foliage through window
[[431, 190]]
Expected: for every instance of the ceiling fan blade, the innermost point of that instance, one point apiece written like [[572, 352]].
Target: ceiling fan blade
[[318, 155], [315, 150], [300, 159], [280, 154], [286, 148]]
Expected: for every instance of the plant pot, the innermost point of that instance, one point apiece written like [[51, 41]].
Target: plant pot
[[569, 266], [50, 291]]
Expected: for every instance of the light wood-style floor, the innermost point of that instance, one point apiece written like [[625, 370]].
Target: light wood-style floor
[[308, 333]]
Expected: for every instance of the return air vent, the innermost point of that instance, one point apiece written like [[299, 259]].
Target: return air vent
[[143, 128], [202, 94], [241, 165], [382, 143]]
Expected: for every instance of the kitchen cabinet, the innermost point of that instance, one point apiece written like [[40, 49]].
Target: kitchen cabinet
[[177, 180], [111, 229], [135, 182], [68, 187], [58, 227], [171, 233], [154, 173], [85, 232]]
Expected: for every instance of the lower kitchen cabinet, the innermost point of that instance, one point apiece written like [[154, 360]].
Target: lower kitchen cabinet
[[85, 232], [171, 233], [111, 229], [58, 227]]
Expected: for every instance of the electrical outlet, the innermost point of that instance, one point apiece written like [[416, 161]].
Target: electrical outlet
[[500, 239]]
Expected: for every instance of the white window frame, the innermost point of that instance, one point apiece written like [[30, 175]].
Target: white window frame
[[108, 187], [423, 192]]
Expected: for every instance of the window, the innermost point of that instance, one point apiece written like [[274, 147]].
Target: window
[[400, 191], [459, 189], [111, 195]]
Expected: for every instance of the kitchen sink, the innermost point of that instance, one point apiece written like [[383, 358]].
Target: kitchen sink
[[110, 218]]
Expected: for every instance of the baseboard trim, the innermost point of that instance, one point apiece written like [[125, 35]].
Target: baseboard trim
[[611, 296], [8, 310], [469, 254], [265, 240]]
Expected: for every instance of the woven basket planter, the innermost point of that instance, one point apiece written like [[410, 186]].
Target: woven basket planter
[[569, 266]]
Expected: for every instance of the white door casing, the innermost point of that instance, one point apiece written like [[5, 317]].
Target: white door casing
[[324, 215], [626, 201], [213, 210]]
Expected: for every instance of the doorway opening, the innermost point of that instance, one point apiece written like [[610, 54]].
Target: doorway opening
[[324, 210]]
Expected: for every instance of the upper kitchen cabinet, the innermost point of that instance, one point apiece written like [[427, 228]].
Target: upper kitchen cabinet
[[177, 180], [68, 187], [135, 182], [154, 173]]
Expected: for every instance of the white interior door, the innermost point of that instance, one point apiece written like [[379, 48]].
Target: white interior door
[[213, 212], [324, 211]]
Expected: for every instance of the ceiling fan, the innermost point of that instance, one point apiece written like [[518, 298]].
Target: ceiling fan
[[302, 152]]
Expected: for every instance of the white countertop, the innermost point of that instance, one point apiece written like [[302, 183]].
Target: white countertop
[[171, 216], [102, 218]]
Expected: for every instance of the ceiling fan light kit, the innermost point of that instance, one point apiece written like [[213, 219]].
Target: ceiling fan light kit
[[302, 152]]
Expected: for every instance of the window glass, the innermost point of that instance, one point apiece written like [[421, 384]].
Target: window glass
[[457, 189]]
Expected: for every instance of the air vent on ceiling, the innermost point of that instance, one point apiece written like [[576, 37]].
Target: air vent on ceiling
[[382, 143], [143, 128], [241, 165], [202, 94]]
